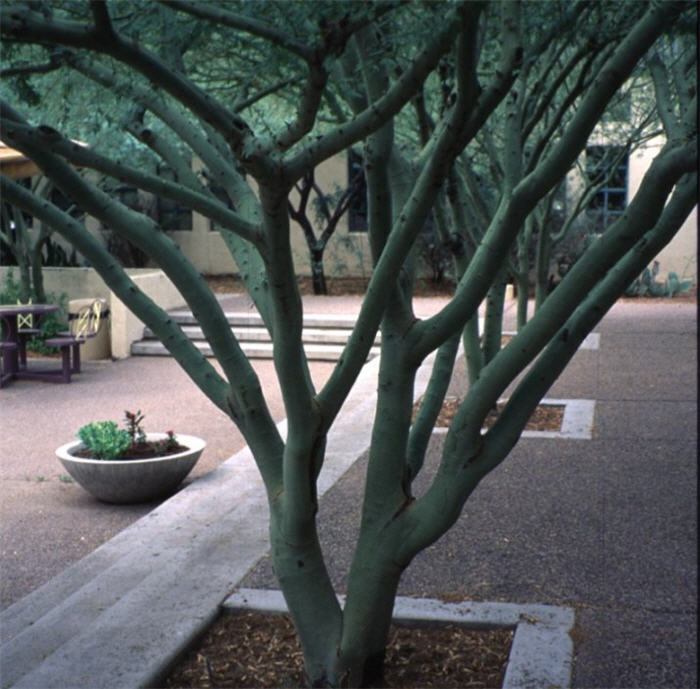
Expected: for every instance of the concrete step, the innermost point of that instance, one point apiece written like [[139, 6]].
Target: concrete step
[[324, 335], [253, 350], [253, 318], [255, 334]]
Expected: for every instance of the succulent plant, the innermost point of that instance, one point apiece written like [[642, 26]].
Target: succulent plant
[[647, 285], [105, 439]]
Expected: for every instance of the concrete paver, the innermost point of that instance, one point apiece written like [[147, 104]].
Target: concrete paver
[[47, 524]]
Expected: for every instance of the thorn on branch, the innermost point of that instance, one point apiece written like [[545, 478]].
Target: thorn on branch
[[49, 132]]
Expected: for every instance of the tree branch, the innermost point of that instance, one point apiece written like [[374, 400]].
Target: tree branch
[[187, 355], [378, 112], [490, 254], [248, 24], [24, 25], [85, 157]]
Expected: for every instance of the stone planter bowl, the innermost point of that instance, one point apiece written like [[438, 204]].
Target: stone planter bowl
[[132, 480]]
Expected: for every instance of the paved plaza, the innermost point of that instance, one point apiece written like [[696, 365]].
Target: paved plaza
[[606, 525]]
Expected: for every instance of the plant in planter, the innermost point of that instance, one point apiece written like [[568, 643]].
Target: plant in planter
[[129, 466]]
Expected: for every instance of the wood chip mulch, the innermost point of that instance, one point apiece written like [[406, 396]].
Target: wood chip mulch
[[546, 417], [256, 650], [337, 287]]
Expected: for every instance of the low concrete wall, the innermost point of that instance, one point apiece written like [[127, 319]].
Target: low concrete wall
[[127, 328], [84, 283]]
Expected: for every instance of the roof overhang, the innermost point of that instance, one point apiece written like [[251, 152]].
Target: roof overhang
[[14, 164]]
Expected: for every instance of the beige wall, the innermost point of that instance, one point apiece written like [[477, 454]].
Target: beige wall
[[680, 255], [124, 326], [347, 253]]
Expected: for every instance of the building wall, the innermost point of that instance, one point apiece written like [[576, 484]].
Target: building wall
[[347, 253], [680, 255]]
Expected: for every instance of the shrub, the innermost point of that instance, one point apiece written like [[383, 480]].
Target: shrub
[[105, 439]]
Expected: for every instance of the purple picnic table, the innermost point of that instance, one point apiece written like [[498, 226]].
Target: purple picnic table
[[9, 313]]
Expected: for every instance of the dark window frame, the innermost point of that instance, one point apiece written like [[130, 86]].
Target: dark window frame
[[610, 200], [357, 210]]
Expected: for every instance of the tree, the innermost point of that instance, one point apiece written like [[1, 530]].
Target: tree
[[15, 237], [329, 209], [351, 75], [27, 250]]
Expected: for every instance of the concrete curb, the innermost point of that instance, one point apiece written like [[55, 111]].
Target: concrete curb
[[542, 650], [577, 424]]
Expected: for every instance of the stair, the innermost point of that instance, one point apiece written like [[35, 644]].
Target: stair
[[324, 336]]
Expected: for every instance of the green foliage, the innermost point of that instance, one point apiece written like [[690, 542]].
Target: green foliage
[[105, 439], [646, 285], [51, 324], [676, 286], [10, 291]]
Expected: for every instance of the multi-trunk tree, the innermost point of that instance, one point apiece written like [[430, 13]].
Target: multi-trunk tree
[[322, 78]]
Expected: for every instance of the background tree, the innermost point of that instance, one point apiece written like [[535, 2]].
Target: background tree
[[328, 210], [29, 250], [26, 252], [350, 75]]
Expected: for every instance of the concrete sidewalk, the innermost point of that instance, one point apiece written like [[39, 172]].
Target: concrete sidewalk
[[46, 523], [607, 525]]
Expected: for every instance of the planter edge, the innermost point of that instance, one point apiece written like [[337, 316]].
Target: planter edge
[[542, 651]]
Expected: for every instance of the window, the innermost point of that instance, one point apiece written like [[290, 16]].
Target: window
[[169, 214], [606, 168], [357, 212]]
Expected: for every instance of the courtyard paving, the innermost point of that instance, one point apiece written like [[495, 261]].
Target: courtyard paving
[[607, 525]]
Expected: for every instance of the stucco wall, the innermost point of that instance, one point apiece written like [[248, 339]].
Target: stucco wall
[[347, 253], [680, 255], [126, 327]]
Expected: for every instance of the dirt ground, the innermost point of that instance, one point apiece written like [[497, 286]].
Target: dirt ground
[[230, 284], [255, 650]]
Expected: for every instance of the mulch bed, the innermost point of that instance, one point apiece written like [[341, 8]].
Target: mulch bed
[[337, 287], [257, 650], [546, 417]]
